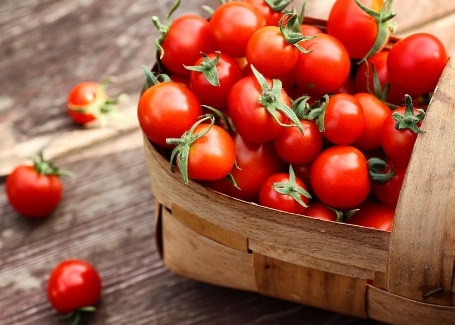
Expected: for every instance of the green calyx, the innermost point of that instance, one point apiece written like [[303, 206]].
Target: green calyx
[[290, 29], [151, 79], [163, 29], [270, 100], [47, 168], [74, 317], [291, 188], [316, 112], [183, 144], [278, 5], [409, 119], [384, 22], [208, 68], [379, 171]]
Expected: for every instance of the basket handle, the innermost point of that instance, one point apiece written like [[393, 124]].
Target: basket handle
[[422, 242]]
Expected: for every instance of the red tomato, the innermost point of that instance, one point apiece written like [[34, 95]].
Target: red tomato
[[373, 215], [270, 53], [215, 93], [255, 162], [232, 24], [339, 177], [319, 210], [182, 44], [284, 192], [35, 191], [355, 29], [415, 63], [73, 285], [311, 70], [249, 116], [167, 110], [388, 192], [271, 14], [308, 30], [375, 112], [344, 119], [206, 152], [88, 101], [398, 143], [296, 148], [364, 79]]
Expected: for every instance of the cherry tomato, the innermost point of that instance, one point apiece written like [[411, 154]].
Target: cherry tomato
[[272, 15], [398, 144], [388, 192], [415, 63], [355, 29], [88, 101], [185, 39], [270, 51], [364, 79], [319, 210], [249, 116], [339, 177], [232, 24], [284, 192], [255, 162], [296, 148], [35, 191], [344, 119], [375, 112], [73, 285], [311, 70], [308, 30], [205, 152], [227, 72], [167, 110], [373, 215]]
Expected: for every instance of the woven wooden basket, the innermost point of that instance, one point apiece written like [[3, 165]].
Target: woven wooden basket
[[402, 277]]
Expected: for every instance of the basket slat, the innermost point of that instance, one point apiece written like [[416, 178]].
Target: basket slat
[[422, 243]]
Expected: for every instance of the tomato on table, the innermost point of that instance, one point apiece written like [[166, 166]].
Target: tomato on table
[[88, 101], [35, 190], [74, 286]]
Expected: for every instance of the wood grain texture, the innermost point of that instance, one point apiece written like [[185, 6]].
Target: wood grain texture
[[106, 215]]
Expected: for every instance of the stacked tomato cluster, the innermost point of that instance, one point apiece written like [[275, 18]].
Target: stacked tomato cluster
[[315, 119]]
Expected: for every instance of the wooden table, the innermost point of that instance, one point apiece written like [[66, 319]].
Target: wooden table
[[106, 216]]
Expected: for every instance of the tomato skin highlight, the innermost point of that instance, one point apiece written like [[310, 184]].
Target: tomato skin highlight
[[31, 194], [73, 284], [167, 110], [339, 177]]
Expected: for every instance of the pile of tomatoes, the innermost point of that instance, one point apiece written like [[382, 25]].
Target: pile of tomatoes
[[265, 105]]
